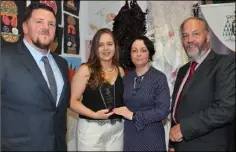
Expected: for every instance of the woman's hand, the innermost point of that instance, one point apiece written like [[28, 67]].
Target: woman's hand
[[103, 114], [124, 111], [171, 150]]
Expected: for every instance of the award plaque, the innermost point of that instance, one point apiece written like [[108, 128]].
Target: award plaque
[[107, 93]]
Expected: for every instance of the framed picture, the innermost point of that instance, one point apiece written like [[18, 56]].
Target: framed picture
[[73, 65], [71, 35], [12, 15], [72, 6]]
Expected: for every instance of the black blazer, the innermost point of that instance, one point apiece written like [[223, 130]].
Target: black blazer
[[206, 109], [30, 119]]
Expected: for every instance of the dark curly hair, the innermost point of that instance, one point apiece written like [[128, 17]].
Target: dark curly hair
[[148, 43]]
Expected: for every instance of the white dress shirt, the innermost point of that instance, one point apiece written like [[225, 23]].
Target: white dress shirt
[[199, 61], [56, 71]]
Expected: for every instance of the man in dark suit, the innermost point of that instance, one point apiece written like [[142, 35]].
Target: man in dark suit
[[35, 88], [203, 106]]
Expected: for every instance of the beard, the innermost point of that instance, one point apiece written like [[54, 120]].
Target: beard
[[41, 45], [199, 51]]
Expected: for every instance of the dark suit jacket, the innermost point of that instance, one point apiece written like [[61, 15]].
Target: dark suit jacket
[[206, 109], [30, 119]]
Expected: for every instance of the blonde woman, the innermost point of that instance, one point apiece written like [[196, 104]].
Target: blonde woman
[[99, 82]]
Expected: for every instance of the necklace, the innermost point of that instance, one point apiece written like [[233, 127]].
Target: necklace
[[108, 71]]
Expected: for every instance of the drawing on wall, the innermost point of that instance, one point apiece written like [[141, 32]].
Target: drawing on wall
[[12, 13], [73, 65], [72, 6], [88, 44], [71, 35], [56, 45], [101, 15], [56, 5]]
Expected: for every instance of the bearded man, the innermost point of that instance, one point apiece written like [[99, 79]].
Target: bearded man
[[35, 88], [203, 106]]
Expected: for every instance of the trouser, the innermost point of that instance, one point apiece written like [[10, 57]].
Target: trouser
[[92, 136]]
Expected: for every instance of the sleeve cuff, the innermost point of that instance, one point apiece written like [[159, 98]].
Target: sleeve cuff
[[137, 125]]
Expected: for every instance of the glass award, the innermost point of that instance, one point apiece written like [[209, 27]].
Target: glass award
[[107, 93]]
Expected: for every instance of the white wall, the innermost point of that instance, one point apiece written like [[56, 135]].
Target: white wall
[[84, 19]]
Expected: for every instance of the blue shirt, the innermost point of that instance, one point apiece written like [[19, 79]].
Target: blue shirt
[[56, 71]]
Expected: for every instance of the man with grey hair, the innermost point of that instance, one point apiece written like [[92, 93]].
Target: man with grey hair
[[203, 106]]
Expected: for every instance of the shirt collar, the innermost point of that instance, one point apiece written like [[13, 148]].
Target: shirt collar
[[200, 60], [35, 53]]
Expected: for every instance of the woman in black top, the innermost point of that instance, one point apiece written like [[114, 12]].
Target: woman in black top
[[96, 89]]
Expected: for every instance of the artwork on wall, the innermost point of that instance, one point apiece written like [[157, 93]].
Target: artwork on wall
[[67, 39], [73, 65], [12, 13], [88, 44], [72, 6], [56, 46], [56, 5], [101, 14], [71, 35]]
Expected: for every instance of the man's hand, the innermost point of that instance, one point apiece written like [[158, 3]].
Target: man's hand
[[176, 134]]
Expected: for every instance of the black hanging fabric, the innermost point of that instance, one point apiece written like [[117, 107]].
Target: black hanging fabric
[[128, 23], [138, 18], [195, 8]]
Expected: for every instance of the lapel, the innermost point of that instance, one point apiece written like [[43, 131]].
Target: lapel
[[29, 62], [200, 72], [60, 66], [181, 74]]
